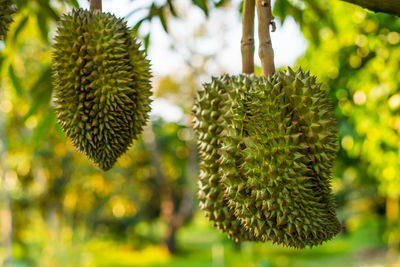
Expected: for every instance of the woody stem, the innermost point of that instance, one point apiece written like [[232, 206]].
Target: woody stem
[[95, 5], [265, 19], [248, 36]]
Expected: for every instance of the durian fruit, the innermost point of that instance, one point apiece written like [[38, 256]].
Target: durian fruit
[[7, 9], [101, 84], [207, 119], [281, 140], [277, 148]]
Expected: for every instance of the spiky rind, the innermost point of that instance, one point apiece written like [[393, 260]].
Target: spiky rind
[[7, 9], [101, 84], [211, 193], [277, 147]]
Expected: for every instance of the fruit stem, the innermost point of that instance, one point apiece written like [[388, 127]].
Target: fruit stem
[[265, 52], [248, 36], [95, 5]]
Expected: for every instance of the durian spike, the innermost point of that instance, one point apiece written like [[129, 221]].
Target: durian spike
[[248, 37], [7, 9], [265, 52], [95, 5]]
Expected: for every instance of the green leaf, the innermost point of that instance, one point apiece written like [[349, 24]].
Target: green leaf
[[153, 12], [202, 4], [46, 8], [43, 27], [43, 128], [280, 10], [74, 3], [1, 62], [15, 81], [135, 28], [172, 8], [19, 28], [296, 13], [316, 8], [163, 20], [41, 92], [220, 3], [21, 3], [146, 41], [314, 31]]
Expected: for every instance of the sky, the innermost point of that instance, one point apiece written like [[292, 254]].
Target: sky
[[222, 38]]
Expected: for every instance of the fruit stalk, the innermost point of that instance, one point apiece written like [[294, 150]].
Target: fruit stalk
[[265, 52], [248, 36], [95, 5]]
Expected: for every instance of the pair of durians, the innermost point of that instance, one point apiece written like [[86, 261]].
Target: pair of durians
[[266, 145]]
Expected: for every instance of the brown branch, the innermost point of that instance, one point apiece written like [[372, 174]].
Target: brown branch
[[265, 19], [248, 36], [386, 6], [95, 5], [172, 217]]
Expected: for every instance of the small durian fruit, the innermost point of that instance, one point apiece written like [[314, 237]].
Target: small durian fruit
[[7, 9], [101, 84], [279, 144], [207, 119]]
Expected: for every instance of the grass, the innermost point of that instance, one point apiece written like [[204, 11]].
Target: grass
[[200, 245]]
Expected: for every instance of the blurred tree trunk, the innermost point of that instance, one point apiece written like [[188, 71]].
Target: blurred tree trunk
[[186, 206], [174, 217], [386, 6], [170, 239], [392, 217]]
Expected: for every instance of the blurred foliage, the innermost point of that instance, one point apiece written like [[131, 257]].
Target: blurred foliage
[[65, 212], [311, 15], [165, 10], [360, 65], [358, 60]]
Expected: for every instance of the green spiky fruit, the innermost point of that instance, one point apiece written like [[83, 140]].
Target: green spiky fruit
[[211, 192], [277, 148], [7, 9], [101, 84]]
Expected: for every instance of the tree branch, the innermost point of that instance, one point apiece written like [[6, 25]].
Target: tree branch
[[386, 6], [248, 36], [265, 51], [95, 5], [172, 217]]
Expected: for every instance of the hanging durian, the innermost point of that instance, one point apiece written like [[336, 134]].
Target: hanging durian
[[7, 9], [101, 84], [275, 148], [279, 146]]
